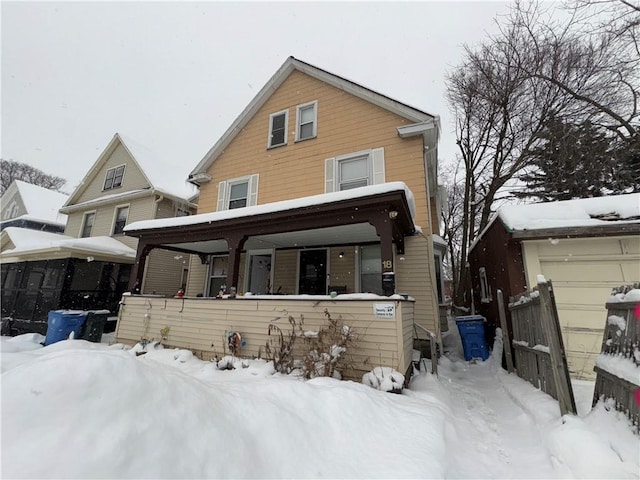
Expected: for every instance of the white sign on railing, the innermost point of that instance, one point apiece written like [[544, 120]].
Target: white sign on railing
[[384, 310]]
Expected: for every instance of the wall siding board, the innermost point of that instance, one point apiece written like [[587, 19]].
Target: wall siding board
[[200, 323], [346, 124]]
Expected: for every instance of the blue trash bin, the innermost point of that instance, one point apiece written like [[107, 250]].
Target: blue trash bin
[[62, 322], [471, 328]]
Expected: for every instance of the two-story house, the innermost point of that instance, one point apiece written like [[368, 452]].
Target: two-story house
[[89, 266], [321, 186]]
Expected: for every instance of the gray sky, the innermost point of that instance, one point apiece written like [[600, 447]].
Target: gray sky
[[175, 75]]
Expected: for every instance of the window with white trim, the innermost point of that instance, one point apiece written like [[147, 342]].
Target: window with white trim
[[485, 289], [113, 178], [353, 170], [306, 121], [122, 213], [278, 129], [238, 192], [87, 224]]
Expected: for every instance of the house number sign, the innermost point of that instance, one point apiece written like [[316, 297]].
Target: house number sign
[[387, 264]]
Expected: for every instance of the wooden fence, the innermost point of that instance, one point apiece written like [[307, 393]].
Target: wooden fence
[[621, 339], [537, 342]]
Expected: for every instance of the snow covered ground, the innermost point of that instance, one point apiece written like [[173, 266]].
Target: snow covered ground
[[80, 410]]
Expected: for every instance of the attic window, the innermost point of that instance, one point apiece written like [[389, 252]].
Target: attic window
[[114, 178], [278, 129], [306, 121]]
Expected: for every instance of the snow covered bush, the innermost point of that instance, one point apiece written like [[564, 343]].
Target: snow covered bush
[[384, 378], [324, 353], [279, 347], [326, 356]]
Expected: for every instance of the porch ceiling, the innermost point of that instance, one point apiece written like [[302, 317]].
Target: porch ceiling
[[342, 234]]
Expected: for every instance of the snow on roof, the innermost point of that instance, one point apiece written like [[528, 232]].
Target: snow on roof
[[42, 203], [278, 206], [26, 240], [572, 213], [166, 175]]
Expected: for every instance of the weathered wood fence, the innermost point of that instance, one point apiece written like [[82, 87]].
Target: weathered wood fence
[[622, 340], [537, 342]]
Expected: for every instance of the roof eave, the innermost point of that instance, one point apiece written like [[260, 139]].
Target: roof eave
[[615, 229]]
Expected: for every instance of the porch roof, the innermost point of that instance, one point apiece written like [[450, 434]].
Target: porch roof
[[332, 218], [24, 245]]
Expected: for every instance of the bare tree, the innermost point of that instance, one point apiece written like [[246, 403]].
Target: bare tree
[[11, 170], [537, 67]]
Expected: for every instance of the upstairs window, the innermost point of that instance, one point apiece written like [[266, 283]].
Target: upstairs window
[[238, 192], [278, 129], [87, 225], [306, 121], [354, 172], [114, 177], [122, 213]]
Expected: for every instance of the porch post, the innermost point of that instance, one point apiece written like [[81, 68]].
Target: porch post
[[137, 272], [384, 229], [235, 244]]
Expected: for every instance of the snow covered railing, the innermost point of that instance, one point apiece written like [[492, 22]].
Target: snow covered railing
[[618, 365]]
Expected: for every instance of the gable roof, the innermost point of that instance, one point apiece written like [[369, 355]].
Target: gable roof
[[41, 204], [163, 176], [610, 215], [290, 65]]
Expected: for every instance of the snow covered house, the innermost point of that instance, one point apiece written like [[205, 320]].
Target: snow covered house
[[26, 205], [320, 185], [585, 247], [89, 266]]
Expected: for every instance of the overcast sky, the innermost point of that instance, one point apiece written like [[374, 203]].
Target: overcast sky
[[175, 75]]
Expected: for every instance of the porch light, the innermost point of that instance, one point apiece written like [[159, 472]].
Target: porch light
[[341, 255]]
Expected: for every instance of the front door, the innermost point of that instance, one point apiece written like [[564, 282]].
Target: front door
[[313, 272], [259, 273]]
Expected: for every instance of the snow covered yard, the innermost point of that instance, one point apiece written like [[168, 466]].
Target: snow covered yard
[[76, 409]]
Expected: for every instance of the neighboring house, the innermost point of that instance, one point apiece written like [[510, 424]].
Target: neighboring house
[[585, 247], [320, 185], [26, 205], [89, 266]]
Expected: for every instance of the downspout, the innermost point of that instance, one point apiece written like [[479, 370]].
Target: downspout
[[430, 249]]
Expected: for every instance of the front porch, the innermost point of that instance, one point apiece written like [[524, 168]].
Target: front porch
[[383, 326]]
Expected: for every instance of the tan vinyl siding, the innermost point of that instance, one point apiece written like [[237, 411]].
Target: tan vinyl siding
[[583, 272], [343, 270], [196, 283], [139, 209], [346, 124], [413, 276], [164, 272], [285, 273], [201, 325], [133, 177]]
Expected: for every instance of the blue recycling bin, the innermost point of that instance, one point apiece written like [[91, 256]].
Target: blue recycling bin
[[471, 328], [62, 322]]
